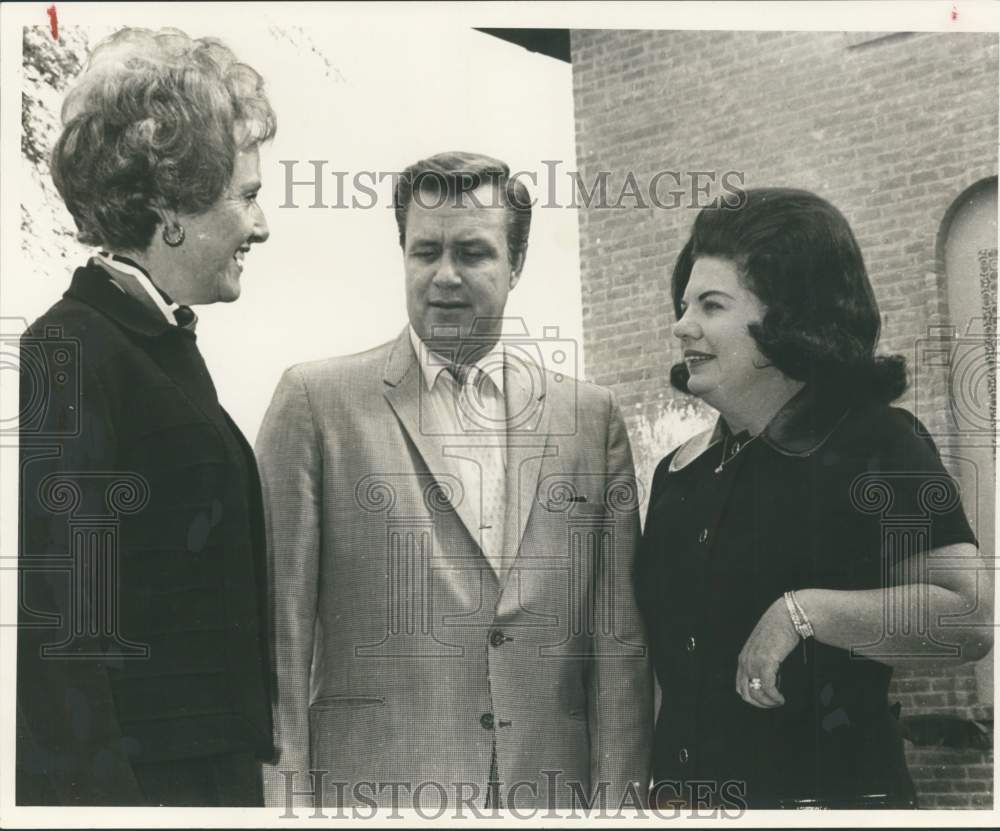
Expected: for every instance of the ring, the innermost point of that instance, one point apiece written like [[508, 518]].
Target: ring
[[756, 684]]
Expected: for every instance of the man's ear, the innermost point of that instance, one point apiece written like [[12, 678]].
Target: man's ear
[[515, 272]]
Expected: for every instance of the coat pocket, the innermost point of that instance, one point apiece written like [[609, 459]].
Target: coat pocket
[[353, 702], [350, 736]]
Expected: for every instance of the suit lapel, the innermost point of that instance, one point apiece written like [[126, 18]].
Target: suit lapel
[[528, 414], [527, 443], [403, 386]]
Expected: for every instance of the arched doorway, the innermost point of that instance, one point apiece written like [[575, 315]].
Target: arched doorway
[[969, 253]]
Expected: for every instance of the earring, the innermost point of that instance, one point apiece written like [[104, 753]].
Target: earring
[[173, 236]]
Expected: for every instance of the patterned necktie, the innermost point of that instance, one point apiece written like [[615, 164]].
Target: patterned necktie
[[482, 417]]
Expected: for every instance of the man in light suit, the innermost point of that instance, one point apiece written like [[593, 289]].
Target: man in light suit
[[451, 529]]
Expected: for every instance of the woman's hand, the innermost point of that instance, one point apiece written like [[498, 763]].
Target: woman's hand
[[772, 639]]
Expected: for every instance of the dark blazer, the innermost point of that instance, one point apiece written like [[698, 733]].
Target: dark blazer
[[143, 633], [831, 496]]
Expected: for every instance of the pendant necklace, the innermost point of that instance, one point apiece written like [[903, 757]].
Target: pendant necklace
[[728, 455]]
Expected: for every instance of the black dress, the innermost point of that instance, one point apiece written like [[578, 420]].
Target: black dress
[[829, 497], [143, 652]]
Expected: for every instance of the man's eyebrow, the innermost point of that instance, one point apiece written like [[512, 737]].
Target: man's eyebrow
[[252, 187], [475, 238]]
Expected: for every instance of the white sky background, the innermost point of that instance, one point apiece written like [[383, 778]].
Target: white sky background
[[361, 93]]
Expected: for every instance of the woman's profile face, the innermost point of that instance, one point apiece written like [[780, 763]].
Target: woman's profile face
[[721, 356], [216, 241]]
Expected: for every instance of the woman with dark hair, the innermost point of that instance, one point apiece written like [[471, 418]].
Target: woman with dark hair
[[143, 668], [808, 543]]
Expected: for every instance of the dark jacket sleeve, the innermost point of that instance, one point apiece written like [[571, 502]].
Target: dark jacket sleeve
[[895, 499], [69, 748]]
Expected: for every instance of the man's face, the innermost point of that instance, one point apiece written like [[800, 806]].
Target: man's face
[[457, 267]]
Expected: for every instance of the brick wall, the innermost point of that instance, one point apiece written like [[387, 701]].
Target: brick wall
[[946, 777], [891, 129]]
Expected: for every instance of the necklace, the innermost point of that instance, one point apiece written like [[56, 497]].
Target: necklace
[[729, 454]]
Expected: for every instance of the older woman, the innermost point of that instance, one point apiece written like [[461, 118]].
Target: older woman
[[143, 669], [809, 542]]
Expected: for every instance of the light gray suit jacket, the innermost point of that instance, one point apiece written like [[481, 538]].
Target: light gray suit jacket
[[401, 655]]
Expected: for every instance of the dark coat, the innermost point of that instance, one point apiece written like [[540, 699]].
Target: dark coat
[[143, 634], [828, 497]]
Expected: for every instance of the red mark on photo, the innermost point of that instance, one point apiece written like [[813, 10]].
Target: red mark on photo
[[53, 21], [954, 12]]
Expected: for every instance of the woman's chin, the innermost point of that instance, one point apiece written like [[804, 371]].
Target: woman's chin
[[699, 387], [229, 289]]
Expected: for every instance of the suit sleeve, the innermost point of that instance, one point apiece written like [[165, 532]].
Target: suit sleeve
[[69, 741], [621, 686], [290, 461]]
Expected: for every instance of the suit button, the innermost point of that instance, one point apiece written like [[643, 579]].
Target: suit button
[[497, 637], [703, 535], [683, 755], [690, 646], [486, 720]]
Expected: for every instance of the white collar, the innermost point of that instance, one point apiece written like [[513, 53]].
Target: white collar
[[432, 365], [140, 276]]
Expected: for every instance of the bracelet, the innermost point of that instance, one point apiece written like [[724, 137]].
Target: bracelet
[[798, 616], [807, 626]]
